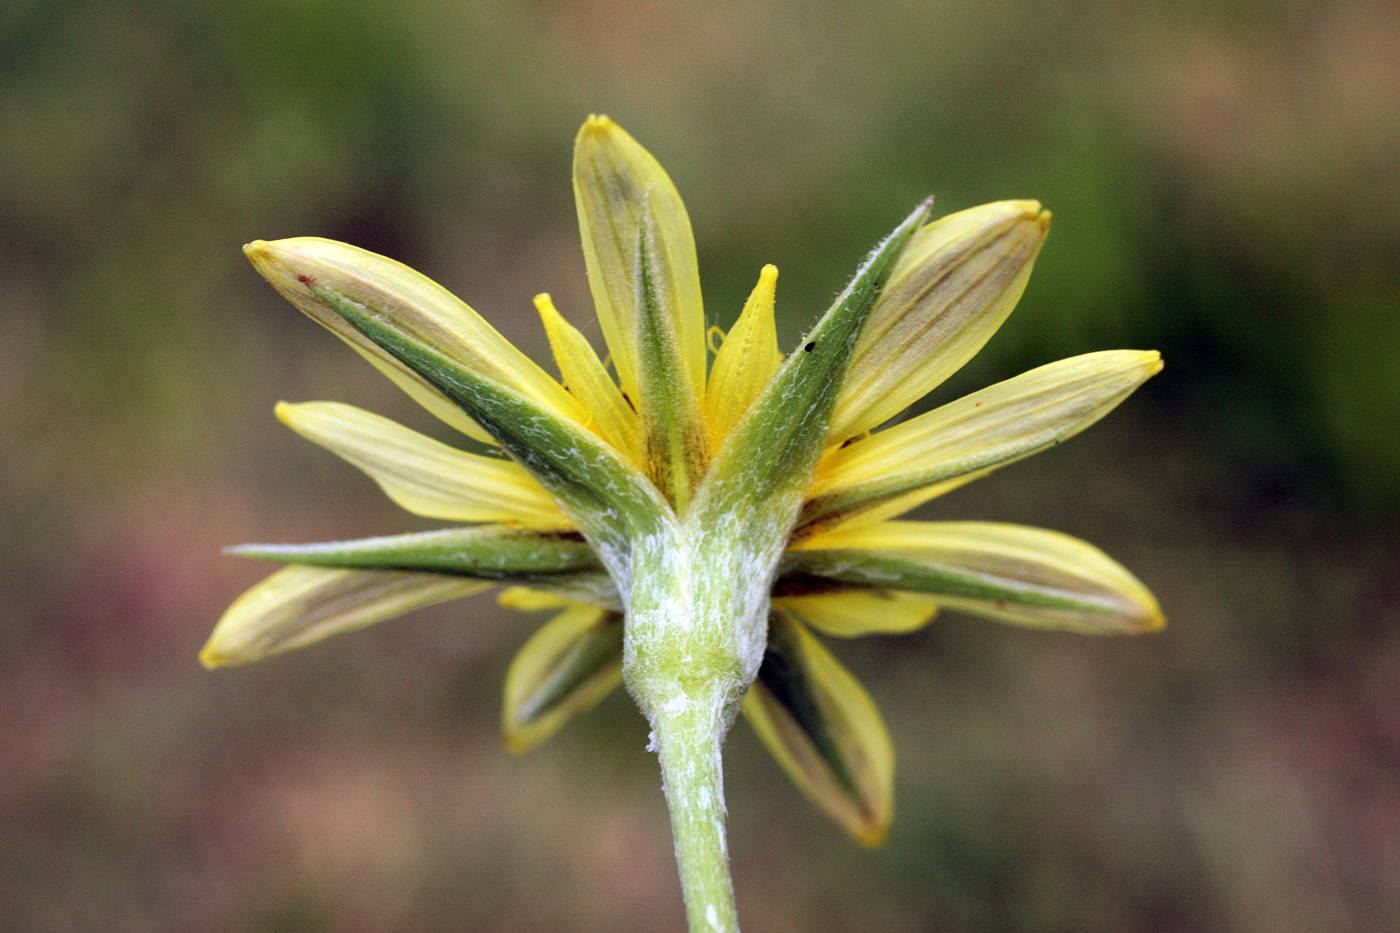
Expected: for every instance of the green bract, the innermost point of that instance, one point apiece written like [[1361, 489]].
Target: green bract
[[692, 530]]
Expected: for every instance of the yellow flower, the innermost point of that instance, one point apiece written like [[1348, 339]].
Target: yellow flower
[[612, 483]]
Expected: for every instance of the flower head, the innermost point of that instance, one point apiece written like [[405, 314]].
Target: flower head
[[760, 489]]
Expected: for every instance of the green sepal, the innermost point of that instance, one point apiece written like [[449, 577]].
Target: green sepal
[[490, 552], [824, 730], [674, 443], [607, 498], [565, 668]]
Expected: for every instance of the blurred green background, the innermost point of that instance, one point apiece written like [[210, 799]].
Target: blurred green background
[[1224, 182]]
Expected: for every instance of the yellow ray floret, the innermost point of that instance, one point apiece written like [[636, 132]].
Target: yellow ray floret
[[952, 288], [564, 669], [745, 362], [969, 437], [297, 606], [587, 380], [841, 758], [616, 183], [528, 599], [422, 475], [1012, 573], [854, 613], [312, 272]]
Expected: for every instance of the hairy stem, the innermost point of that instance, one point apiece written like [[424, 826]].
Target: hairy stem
[[688, 732]]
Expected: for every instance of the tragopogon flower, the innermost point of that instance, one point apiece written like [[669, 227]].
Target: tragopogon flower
[[690, 525]]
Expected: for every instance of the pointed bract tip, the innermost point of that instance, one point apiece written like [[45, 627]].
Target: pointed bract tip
[[210, 659], [918, 217], [273, 552], [768, 274]]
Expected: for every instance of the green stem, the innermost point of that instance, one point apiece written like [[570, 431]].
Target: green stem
[[688, 732]]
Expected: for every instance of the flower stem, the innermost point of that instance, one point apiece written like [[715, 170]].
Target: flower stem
[[688, 733]]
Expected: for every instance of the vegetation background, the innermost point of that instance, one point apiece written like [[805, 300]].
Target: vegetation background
[[1224, 181]]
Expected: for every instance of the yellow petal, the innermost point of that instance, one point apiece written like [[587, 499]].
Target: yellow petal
[[746, 361], [417, 307], [975, 434], [615, 182], [298, 606], [587, 380], [1012, 573], [885, 510], [824, 730], [595, 589], [852, 613], [422, 475], [527, 599], [565, 668], [953, 287]]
